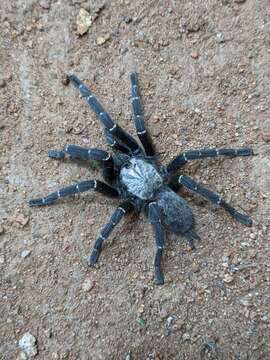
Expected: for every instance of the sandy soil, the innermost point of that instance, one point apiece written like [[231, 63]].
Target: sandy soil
[[204, 75]]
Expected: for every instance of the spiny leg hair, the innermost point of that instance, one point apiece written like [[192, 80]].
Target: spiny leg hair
[[214, 198], [75, 189], [182, 159], [138, 117], [154, 215], [104, 117], [106, 231]]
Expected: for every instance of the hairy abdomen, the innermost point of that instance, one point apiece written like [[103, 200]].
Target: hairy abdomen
[[176, 214]]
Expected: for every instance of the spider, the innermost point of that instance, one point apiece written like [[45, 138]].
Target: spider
[[134, 175]]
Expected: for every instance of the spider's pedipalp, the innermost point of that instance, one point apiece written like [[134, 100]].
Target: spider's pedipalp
[[106, 231], [214, 198], [181, 159]]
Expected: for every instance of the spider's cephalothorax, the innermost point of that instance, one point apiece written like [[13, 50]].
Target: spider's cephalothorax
[[133, 175]]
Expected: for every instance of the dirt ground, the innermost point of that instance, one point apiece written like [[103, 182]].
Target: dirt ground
[[204, 76]]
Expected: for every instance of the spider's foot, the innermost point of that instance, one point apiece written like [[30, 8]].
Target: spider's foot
[[56, 154], [243, 219], [93, 257], [36, 202], [159, 278]]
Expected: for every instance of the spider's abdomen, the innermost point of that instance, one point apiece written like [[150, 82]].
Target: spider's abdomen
[[141, 178], [176, 214]]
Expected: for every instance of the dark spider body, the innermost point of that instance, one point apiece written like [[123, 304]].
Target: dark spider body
[[134, 175]]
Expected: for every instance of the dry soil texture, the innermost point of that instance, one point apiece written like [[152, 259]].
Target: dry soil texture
[[204, 74]]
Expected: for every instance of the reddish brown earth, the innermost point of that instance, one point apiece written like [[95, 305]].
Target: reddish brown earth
[[204, 74]]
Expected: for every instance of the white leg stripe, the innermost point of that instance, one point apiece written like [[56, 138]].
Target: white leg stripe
[[114, 126], [66, 148], [43, 201], [80, 86], [217, 151], [200, 153], [135, 98], [95, 184], [89, 152], [89, 97], [184, 156], [123, 210], [180, 178], [107, 158], [235, 151], [219, 201], [77, 188], [141, 132], [102, 237], [58, 194]]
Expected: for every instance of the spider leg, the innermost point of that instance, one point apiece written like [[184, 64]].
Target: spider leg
[[115, 143], [214, 198], [182, 159], [106, 231], [104, 117], [78, 152], [75, 189], [154, 215], [138, 117]]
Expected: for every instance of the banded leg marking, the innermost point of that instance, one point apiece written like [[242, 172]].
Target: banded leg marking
[[181, 159], [155, 219], [104, 117], [138, 117], [75, 189], [106, 231], [214, 198]]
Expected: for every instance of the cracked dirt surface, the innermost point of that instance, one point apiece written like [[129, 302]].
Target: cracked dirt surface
[[204, 76]]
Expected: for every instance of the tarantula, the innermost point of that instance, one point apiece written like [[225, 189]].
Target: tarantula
[[134, 175]]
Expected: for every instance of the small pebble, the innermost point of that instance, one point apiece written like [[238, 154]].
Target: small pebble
[[186, 336], [141, 309], [211, 125], [45, 4], [195, 267], [194, 55], [87, 285], [163, 313], [2, 230], [220, 37], [22, 219], [101, 40], [127, 19], [65, 80], [228, 278], [28, 344], [84, 21], [25, 253]]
